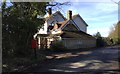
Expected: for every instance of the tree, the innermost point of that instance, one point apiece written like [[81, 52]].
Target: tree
[[97, 35], [115, 33], [19, 23], [56, 5], [99, 39]]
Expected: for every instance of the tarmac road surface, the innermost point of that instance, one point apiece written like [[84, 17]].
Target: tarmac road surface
[[97, 60]]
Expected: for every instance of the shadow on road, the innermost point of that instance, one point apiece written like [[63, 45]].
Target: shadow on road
[[97, 60]]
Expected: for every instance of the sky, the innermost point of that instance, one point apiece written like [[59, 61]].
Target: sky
[[100, 15]]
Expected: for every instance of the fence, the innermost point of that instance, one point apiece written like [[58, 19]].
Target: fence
[[75, 43]]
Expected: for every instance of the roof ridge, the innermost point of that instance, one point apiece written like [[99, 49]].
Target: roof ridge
[[57, 12], [80, 18], [75, 15]]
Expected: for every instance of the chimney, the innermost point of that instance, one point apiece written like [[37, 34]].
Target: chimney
[[49, 11], [69, 15]]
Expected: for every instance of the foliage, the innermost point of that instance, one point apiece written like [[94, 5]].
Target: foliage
[[115, 33], [57, 46], [19, 23], [97, 35], [100, 42]]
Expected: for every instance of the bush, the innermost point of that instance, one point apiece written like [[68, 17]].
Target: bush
[[57, 46], [100, 42], [107, 41], [116, 41]]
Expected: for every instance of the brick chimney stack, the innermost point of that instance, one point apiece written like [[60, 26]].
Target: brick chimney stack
[[49, 11], [69, 15]]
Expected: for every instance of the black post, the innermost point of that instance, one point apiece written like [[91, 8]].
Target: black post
[[35, 53]]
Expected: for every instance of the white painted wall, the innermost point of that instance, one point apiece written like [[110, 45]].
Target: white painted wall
[[43, 30], [82, 26]]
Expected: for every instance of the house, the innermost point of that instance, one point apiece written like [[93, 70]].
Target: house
[[71, 31]]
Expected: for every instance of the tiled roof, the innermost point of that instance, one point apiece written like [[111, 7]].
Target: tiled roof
[[62, 23], [57, 12], [76, 34], [77, 15], [65, 22]]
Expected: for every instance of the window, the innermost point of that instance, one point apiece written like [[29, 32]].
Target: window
[[52, 24]]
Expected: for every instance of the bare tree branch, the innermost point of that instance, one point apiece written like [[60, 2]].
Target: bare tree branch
[[115, 2], [57, 4]]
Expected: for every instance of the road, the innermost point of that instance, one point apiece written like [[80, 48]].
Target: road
[[95, 60]]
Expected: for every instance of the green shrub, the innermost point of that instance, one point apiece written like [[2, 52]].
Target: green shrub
[[107, 41], [116, 41], [57, 46], [100, 42]]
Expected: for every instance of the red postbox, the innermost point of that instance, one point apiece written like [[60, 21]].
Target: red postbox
[[34, 43], [34, 46]]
